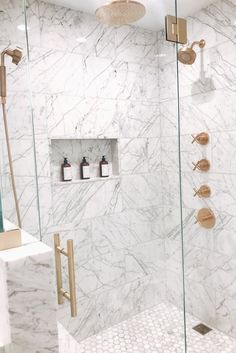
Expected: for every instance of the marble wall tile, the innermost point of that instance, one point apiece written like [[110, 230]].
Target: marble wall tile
[[166, 51], [215, 23], [120, 80], [141, 190], [28, 201], [33, 322], [225, 312], [127, 229], [81, 117], [131, 299], [201, 302], [145, 259], [85, 324], [154, 155], [63, 28], [13, 13], [20, 115], [170, 188], [223, 152], [174, 288], [208, 110], [210, 268], [136, 45], [93, 199], [138, 119], [170, 118], [47, 66], [133, 156]]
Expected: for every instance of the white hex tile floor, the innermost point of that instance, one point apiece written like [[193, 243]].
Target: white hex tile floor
[[158, 330]]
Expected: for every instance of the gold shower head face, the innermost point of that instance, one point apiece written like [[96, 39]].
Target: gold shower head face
[[187, 55], [120, 12]]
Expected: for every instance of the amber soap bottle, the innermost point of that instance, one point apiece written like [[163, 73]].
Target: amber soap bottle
[[104, 168], [66, 170], [84, 169]]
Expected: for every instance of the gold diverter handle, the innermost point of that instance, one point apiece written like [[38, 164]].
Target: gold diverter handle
[[206, 218], [61, 292]]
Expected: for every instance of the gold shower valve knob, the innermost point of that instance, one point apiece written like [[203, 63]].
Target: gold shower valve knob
[[203, 165], [206, 218], [202, 138], [203, 192]]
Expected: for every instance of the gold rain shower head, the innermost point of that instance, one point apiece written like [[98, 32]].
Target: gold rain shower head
[[187, 55], [120, 12]]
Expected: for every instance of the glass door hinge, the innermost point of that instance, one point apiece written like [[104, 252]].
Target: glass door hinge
[[176, 29]]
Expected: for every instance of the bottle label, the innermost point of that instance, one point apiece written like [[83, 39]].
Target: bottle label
[[86, 173], [67, 173], [105, 170]]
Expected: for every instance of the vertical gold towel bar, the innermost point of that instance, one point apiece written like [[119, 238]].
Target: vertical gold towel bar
[[61, 292]]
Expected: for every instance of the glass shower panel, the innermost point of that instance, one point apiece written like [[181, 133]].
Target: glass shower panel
[[102, 90], [13, 35], [207, 134]]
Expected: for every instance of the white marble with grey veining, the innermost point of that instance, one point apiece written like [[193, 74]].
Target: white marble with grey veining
[[30, 298]]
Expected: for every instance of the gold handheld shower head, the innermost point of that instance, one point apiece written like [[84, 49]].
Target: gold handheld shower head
[[187, 55], [16, 55]]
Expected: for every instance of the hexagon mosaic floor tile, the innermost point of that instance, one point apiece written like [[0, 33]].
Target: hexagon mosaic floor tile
[[158, 330]]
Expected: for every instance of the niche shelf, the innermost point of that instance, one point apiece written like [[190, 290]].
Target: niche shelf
[[75, 149]]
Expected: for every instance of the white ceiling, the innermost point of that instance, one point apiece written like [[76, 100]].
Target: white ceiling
[[156, 9]]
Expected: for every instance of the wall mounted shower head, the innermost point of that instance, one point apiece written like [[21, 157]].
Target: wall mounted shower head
[[187, 55]]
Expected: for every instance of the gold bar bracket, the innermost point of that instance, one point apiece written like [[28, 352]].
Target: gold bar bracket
[[176, 29], [61, 292]]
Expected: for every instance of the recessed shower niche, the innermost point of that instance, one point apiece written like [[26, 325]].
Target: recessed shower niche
[[75, 149]]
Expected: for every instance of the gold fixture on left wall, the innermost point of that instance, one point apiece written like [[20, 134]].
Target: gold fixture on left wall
[[16, 55]]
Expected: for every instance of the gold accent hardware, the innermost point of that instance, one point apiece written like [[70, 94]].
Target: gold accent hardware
[[203, 192], [187, 55], [176, 29], [10, 239], [203, 165], [202, 138], [206, 218], [62, 293]]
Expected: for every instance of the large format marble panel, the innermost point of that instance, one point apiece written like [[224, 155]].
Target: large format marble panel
[[30, 300]]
